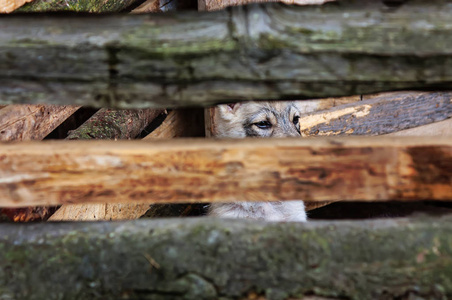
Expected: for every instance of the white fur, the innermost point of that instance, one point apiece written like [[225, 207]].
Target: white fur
[[292, 211]]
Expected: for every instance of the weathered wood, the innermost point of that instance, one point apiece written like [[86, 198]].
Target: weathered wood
[[108, 124], [100, 212], [229, 259], [434, 129], [380, 115], [7, 6], [147, 7], [114, 124], [31, 122], [179, 123], [263, 51], [211, 5], [183, 170]]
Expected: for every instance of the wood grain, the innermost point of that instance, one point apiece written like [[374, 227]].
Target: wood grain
[[442, 128], [115, 124], [108, 124], [383, 114], [264, 51], [100, 212], [7, 6], [199, 170], [32, 122], [179, 123]]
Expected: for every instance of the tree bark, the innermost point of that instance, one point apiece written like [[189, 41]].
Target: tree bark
[[228, 259], [384, 114], [110, 124], [181, 171], [262, 51]]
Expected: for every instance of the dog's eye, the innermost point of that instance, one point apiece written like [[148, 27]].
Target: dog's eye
[[263, 124], [296, 119]]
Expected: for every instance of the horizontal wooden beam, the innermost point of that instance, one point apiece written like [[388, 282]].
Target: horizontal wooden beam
[[199, 170], [262, 51], [204, 259]]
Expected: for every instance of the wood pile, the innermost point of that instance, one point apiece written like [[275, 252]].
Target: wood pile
[[143, 153]]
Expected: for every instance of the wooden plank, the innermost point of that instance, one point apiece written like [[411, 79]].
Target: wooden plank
[[179, 123], [201, 259], [380, 115], [191, 59], [7, 6], [100, 212], [199, 170], [32, 122], [147, 7], [115, 124], [108, 124], [435, 129]]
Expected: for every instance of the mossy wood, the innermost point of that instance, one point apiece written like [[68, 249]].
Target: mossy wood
[[114, 124], [91, 6], [224, 259], [180, 123], [200, 170], [262, 51]]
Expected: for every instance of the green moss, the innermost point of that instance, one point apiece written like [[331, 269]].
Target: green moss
[[92, 6]]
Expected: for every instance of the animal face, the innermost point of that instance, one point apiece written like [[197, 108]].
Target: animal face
[[258, 119]]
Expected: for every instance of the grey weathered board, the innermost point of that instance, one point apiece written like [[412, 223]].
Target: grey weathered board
[[262, 51], [228, 259], [381, 115]]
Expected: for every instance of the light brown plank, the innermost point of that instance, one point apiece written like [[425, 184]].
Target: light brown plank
[[108, 124], [199, 170], [99, 212], [32, 122], [434, 129], [179, 123]]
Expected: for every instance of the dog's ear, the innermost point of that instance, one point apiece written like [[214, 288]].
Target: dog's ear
[[227, 111]]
